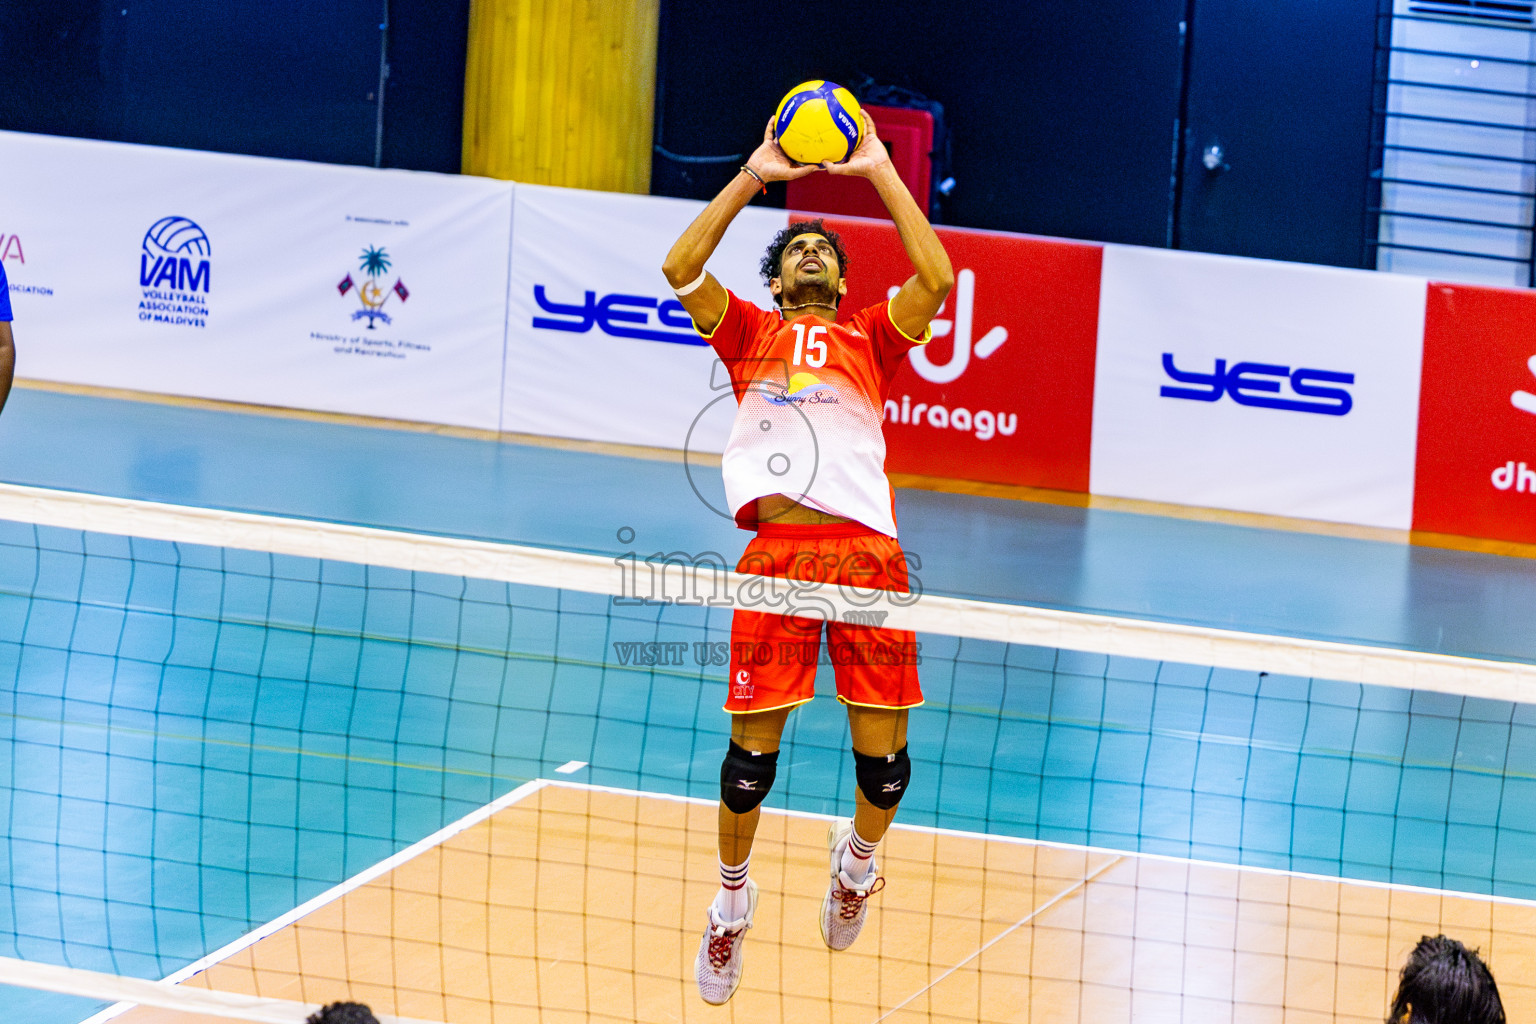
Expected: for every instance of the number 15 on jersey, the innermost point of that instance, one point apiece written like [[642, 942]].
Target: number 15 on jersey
[[809, 346]]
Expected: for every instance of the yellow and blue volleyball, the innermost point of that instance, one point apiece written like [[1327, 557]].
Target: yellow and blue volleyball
[[818, 122]]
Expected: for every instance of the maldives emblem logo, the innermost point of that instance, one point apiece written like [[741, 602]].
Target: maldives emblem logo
[[373, 295]]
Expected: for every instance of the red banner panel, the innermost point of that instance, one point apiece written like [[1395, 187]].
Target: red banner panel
[[1476, 471], [1004, 392]]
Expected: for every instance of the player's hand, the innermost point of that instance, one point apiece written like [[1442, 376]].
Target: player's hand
[[769, 161], [870, 155]]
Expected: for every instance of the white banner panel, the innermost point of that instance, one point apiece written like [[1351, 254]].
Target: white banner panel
[[598, 348], [276, 282], [1259, 386]]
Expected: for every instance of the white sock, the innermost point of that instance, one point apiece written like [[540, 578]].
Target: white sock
[[732, 901], [858, 855]]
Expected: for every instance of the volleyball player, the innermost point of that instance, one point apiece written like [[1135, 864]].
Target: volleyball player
[[793, 368], [7, 342]]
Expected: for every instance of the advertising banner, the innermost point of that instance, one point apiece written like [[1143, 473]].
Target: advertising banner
[[1477, 419], [1004, 391], [275, 282], [1258, 386], [598, 348], [1168, 376]]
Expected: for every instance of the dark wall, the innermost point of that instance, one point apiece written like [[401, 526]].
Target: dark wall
[[283, 78], [1286, 90], [1065, 114], [1061, 111]]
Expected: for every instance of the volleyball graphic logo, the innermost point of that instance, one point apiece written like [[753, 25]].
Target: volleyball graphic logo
[[176, 236], [818, 122], [175, 259]]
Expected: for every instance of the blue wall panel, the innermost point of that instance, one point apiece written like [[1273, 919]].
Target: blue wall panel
[[282, 78]]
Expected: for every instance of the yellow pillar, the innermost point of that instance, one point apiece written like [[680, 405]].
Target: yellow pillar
[[561, 92]]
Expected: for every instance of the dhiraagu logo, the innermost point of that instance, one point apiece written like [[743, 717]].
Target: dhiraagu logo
[[1524, 400], [175, 273]]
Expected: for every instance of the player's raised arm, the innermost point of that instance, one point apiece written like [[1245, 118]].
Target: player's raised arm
[[921, 298], [701, 295]]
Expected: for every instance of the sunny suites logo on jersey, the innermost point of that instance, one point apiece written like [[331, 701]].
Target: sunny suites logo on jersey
[[803, 387], [175, 273]]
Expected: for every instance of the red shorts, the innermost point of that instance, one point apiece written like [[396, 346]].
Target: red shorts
[[773, 657]]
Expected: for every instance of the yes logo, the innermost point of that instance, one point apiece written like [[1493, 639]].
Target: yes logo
[[1258, 384], [1524, 400], [962, 326]]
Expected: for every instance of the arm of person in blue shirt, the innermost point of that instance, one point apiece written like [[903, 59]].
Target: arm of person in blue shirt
[[7, 361]]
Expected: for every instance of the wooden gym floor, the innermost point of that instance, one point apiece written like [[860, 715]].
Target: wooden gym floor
[[579, 904]]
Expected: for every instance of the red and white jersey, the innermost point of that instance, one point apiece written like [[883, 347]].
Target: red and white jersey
[[811, 401]]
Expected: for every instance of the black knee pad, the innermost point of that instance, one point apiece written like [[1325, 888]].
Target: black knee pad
[[746, 778], [883, 778]]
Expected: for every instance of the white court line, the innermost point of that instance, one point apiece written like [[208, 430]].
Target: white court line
[[1081, 883], [1107, 851], [473, 818], [142, 992]]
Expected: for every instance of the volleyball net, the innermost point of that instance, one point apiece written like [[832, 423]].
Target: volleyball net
[[282, 762]]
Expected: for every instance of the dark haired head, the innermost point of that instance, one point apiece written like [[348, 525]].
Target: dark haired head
[[343, 1013], [1444, 982], [773, 259]]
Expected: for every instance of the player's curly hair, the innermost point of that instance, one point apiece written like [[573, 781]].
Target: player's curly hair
[[774, 257], [343, 1013]]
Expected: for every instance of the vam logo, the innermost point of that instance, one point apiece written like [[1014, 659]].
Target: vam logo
[[1259, 384], [170, 247], [175, 273], [1524, 400], [622, 316]]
